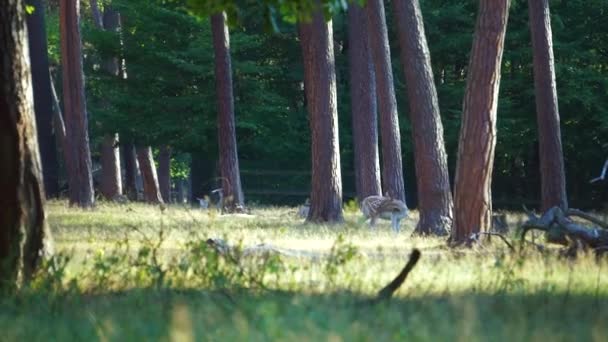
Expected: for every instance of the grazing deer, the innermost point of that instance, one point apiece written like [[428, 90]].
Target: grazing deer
[[374, 207], [304, 209], [203, 202]]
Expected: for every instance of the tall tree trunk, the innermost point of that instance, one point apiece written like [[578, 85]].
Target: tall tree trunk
[[58, 122], [111, 183], [43, 104], [316, 39], [131, 170], [96, 14], [472, 193], [392, 167], [363, 105], [23, 232], [148, 172], [434, 196], [553, 176], [112, 22], [229, 161], [164, 173], [78, 154]]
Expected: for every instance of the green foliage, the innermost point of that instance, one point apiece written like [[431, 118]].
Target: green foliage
[[168, 97], [340, 255], [180, 166], [290, 11]]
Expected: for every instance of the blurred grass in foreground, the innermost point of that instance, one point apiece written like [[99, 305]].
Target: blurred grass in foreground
[[134, 272]]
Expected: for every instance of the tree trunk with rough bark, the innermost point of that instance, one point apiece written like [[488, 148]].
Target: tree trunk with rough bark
[[43, 101], [392, 167], [434, 195], [363, 105], [78, 153], [164, 173], [229, 161], [553, 175], [148, 173], [112, 22], [23, 233], [316, 40], [111, 183], [131, 169], [472, 193]]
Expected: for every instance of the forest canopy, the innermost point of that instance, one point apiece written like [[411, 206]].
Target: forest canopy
[[168, 95]]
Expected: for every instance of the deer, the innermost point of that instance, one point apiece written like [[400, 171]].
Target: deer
[[384, 207]]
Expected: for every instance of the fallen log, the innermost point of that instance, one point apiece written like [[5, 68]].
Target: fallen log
[[560, 228]]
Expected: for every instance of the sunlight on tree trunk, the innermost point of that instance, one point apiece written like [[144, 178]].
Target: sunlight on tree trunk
[[472, 193], [111, 183], [23, 231], [148, 173], [43, 100], [432, 178], [111, 177], [316, 40], [164, 173]]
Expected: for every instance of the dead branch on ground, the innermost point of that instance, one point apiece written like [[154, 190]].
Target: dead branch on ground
[[561, 228]]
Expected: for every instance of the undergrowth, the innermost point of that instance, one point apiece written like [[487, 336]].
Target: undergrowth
[[134, 272]]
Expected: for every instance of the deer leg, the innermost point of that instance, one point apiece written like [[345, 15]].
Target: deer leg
[[395, 222], [372, 222]]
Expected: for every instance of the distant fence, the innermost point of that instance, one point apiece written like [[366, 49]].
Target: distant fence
[[273, 186]]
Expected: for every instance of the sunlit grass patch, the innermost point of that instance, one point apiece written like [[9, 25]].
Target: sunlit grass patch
[[133, 272]]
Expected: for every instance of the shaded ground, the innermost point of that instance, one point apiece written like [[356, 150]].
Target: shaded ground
[[198, 315]]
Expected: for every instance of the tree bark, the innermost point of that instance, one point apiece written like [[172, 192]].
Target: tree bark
[[164, 173], [23, 232], [363, 106], [229, 162], [131, 170], [111, 183], [316, 39], [112, 22], [392, 167], [58, 122], [148, 172], [472, 193], [434, 196], [553, 176], [43, 101], [78, 154]]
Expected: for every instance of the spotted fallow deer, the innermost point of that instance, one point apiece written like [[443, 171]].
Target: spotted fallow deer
[[374, 207]]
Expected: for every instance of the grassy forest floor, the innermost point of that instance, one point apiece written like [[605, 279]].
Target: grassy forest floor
[[134, 272]]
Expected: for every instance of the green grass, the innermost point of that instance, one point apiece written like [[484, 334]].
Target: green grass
[[120, 283]]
